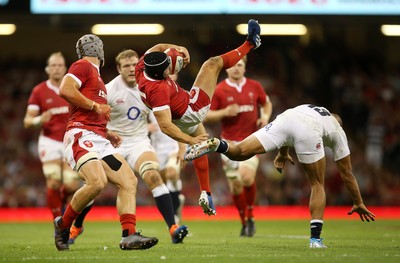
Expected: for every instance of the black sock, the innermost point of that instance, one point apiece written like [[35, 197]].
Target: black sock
[[164, 205], [316, 228], [125, 232], [222, 147], [79, 220], [175, 200]]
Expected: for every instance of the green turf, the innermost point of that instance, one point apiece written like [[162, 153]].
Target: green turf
[[210, 241]]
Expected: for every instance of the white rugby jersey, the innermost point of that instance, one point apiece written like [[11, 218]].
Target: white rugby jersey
[[333, 135], [324, 117], [129, 115]]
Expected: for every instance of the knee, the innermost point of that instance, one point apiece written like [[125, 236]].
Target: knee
[[237, 186], [247, 180], [128, 180], [152, 178], [213, 63], [95, 188], [52, 183], [171, 174]]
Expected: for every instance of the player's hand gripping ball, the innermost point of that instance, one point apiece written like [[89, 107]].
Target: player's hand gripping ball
[[176, 60]]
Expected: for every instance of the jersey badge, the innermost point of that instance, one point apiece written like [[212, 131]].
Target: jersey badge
[[88, 144], [318, 146]]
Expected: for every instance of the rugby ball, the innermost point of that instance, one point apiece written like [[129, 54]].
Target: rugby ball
[[175, 59]]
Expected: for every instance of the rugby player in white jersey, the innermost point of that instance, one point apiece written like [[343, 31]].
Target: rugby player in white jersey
[[307, 128], [129, 118]]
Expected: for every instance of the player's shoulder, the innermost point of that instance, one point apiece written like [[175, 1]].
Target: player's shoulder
[[82, 64], [113, 84], [253, 82], [222, 86]]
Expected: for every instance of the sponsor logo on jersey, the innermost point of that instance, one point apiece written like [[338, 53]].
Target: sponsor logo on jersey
[[133, 113], [120, 101], [251, 96], [59, 110], [246, 108], [103, 94]]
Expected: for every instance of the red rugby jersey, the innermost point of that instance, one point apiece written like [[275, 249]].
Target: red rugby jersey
[[92, 87], [46, 97], [157, 94], [249, 95]]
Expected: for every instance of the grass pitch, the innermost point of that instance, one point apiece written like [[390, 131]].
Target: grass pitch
[[209, 241]]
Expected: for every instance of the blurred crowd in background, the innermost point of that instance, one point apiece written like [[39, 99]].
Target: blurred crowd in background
[[359, 86]]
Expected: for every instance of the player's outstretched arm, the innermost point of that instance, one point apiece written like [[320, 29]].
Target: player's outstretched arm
[[164, 121], [345, 170]]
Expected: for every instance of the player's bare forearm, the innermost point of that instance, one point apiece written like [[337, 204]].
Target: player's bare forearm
[[266, 112], [164, 121], [349, 180], [217, 115], [175, 133], [352, 186]]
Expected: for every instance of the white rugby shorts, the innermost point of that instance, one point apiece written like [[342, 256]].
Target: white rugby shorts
[[50, 149], [78, 142], [132, 148], [196, 112], [302, 132]]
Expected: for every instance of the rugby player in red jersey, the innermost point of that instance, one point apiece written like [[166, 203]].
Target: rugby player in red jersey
[[90, 147], [48, 112], [242, 107], [180, 113]]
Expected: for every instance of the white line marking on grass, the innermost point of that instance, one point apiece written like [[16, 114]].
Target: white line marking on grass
[[288, 236]]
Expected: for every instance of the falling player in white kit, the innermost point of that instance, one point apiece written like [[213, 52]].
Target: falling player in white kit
[[308, 129], [129, 118]]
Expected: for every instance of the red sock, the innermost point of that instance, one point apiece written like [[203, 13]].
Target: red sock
[[128, 223], [250, 198], [202, 172], [240, 206], [68, 218], [234, 56], [54, 201], [64, 194]]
